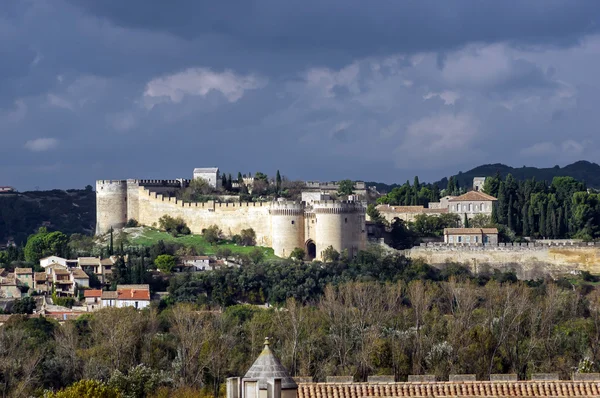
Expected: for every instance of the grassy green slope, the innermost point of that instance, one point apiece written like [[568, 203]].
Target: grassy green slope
[[148, 236]]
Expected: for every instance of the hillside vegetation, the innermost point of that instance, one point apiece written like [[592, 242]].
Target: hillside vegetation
[[144, 236], [70, 211]]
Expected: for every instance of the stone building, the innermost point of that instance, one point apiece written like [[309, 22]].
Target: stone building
[[282, 225], [210, 175], [471, 236], [472, 203], [478, 183], [268, 378]]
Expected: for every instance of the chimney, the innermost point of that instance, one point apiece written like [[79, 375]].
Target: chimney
[[132, 292]]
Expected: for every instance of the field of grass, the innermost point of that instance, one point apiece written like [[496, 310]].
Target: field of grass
[[144, 236]]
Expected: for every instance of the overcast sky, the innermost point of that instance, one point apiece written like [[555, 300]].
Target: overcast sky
[[322, 90]]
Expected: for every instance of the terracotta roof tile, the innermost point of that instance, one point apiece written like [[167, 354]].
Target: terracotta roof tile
[[452, 389], [23, 271], [409, 209], [92, 293], [40, 276], [112, 295], [79, 274], [470, 231], [133, 294], [474, 196]]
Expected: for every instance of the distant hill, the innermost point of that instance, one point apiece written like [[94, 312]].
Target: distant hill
[[71, 211], [581, 170]]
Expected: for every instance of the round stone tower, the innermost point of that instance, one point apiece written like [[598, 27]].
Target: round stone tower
[[111, 205], [340, 224], [287, 227]]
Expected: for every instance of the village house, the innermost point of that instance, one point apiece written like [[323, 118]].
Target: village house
[[8, 285], [93, 299], [40, 283], [61, 279], [194, 263], [46, 261], [80, 278], [472, 203], [24, 276], [137, 296], [471, 236]]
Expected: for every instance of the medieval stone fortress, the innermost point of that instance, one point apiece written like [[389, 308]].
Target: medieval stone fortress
[[313, 224]]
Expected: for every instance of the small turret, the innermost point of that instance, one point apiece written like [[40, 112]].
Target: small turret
[[266, 378]]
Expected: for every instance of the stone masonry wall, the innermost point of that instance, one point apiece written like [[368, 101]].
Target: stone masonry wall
[[230, 217], [528, 260]]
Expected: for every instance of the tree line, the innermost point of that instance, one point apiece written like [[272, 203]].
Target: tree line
[[412, 323]]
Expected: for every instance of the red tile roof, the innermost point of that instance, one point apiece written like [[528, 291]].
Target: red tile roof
[[133, 294], [474, 196], [92, 293], [452, 389]]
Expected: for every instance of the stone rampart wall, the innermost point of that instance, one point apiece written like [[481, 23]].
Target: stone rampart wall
[[230, 217], [529, 261]]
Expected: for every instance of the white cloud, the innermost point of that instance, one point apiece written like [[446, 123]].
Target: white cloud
[[199, 82], [540, 149], [17, 114], [449, 97], [60, 102], [568, 147], [572, 147], [123, 121], [327, 79], [438, 140], [41, 144]]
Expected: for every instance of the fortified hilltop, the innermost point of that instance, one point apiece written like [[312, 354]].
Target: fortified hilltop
[[312, 224]]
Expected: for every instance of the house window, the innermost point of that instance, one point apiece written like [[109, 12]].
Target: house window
[[485, 239], [459, 239], [468, 239], [136, 304], [450, 239], [482, 207], [292, 222], [470, 207], [346, 220], [475, 239]]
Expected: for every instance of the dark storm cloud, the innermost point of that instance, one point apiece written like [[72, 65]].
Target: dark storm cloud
[[360, 29], [319, 89]]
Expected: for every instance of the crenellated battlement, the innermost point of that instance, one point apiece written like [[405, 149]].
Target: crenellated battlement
[[110, 182], [280, 224], [337, 207]]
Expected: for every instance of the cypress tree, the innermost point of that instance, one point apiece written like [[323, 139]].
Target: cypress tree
[[435, 196], [502, 204], [466, 221], [229, 182], [542, 230], [525, 216], [531, 219], [278, 181], [509, 214], [224, 181], [494, 214], [111, 247]]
